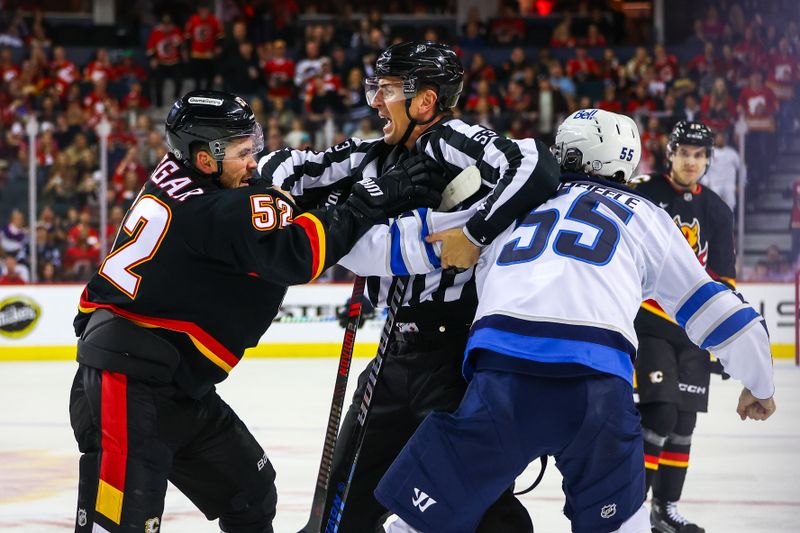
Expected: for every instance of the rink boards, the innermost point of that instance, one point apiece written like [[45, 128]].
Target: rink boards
[[36, 321]]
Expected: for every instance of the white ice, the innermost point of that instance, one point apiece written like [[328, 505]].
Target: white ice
[[743, 477]]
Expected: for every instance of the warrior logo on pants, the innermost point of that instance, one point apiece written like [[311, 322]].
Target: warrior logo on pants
[[422, 500]]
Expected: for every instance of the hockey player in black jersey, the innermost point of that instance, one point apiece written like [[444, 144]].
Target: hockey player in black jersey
[[195, 276], [416, 85], [672, 373]]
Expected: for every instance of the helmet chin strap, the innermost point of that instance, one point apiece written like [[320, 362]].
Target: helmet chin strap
[[413, 123]]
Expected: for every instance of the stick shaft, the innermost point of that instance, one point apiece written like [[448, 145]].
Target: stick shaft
[[314, 523]]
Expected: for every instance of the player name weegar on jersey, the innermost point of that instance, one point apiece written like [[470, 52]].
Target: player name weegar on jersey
[[565, 285], [707, 224], [508, 166], [207, 267]]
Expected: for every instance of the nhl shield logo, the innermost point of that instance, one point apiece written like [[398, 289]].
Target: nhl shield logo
[[81, 517], [608, 510]]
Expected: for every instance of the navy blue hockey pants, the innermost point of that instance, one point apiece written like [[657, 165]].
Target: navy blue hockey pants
[[456, 465]]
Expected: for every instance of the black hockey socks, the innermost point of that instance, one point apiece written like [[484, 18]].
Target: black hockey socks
[[674, 459]]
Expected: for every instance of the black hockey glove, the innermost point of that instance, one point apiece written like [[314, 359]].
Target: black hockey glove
[[417, 182]]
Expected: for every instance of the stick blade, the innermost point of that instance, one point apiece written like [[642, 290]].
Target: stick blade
[[460, 188]]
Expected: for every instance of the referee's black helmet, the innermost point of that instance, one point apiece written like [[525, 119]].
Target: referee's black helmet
[[420, 63]]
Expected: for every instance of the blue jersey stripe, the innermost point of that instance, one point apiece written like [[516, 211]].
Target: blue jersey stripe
[[599, 357], [434, 260], [557, 330], [696, 301], [396, 260], [729, 327]]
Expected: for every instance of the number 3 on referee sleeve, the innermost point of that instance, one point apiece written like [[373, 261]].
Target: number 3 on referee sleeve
[[147, 223], [265, 216]]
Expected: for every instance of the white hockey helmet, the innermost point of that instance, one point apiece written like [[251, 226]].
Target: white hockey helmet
[[594, 141]]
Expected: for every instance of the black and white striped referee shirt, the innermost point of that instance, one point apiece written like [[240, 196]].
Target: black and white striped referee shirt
[[517, 175]]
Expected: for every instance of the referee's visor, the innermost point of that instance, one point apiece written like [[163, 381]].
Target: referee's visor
[[390, 90]]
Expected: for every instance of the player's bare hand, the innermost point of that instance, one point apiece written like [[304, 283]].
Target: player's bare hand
[[457, 250], [754, 408]]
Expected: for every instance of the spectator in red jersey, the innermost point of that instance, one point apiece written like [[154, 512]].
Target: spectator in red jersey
[[483, 93], [478, 70], [204, 33], [712, 25], [582, 67], [101, 69], [784, 70], [666, 65], [279, 72], [794, 224], [562, 36], [717, 110], [704, 64], [610, 102], [9, 70], [12, 273], [730, 68], [164, 51], [128, 71], [749, 50], [759, 106], [98, 103], [640, 103], [135, 100], [324, 92], [593, 37], [64, 71], [81, 258], [654, 144], [508, 28]]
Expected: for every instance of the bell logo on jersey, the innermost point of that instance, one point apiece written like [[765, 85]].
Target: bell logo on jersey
[[656, 377], [422, 500], [608, 510], [692, 234]]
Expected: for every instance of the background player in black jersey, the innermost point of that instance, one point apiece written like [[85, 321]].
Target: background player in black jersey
[[195, 276], [672, 373], [415, 87]]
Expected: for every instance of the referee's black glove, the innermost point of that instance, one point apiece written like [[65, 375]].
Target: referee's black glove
[[417, 182]]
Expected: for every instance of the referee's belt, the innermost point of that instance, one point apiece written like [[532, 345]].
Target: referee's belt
[[429, 332]]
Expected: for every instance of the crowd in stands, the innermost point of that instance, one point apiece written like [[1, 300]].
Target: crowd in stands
[[305, 84]]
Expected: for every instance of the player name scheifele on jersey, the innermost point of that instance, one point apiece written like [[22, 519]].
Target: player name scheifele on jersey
[[623, 249]]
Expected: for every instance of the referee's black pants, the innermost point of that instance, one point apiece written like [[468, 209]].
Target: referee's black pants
[[420, 374]]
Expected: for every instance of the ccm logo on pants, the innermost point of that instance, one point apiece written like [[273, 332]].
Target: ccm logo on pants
[[691, 389]]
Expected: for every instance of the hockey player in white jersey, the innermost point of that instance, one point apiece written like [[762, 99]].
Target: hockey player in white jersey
[[550, 355]]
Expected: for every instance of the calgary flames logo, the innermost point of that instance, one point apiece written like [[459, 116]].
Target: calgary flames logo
[[692, 234]]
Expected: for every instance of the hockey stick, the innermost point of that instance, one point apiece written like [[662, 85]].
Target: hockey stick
[[464, 185], [335, 415], [343, 488]]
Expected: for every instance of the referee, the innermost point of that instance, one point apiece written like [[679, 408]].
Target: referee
[[415, 87]]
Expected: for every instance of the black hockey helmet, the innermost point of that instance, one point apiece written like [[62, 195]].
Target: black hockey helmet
[[691, 133], [212, 119], [423, 62]]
